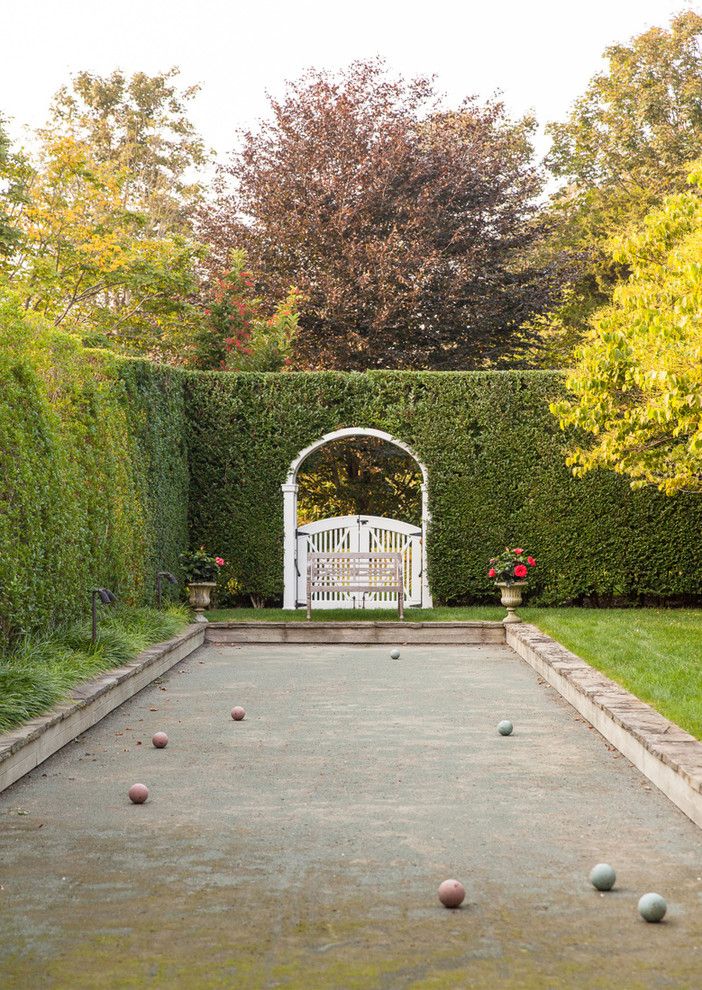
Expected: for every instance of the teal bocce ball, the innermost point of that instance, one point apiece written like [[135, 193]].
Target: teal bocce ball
[[652, 907], [395, 654], [602, 876], [505, 728]]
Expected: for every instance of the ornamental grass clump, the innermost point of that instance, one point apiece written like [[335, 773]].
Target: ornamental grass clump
[[511, 566], [39, 671]]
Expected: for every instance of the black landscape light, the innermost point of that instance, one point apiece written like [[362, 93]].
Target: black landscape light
[[171, 578], [107, 598]]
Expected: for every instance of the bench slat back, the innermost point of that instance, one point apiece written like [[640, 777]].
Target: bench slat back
[[364, 573]]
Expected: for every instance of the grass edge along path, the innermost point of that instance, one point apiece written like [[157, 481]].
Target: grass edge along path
[[37, 673], [654, 653]]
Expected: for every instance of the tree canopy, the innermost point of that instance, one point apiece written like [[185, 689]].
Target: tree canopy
[[98, 237], [96, 267], [238, 334], [637, 385], [14, 172], [140, 125], [627, 142], [360, 475], [404, 224]]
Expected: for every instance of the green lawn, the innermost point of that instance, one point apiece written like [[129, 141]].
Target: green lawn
[[476, 613], [654, 653]]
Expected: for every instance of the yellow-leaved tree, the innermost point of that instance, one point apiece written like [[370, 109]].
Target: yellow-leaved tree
[[93, 265], [103, 244], [636, 388]]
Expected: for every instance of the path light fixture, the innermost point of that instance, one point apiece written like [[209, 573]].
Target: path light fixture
[[171, 578], [107, 598]]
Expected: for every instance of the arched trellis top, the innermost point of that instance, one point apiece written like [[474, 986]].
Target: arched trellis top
[[351, 431]]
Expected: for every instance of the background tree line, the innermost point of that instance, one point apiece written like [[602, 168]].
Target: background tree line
[[366, 224]]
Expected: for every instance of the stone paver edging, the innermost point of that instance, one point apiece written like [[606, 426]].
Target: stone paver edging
[[358, 632], [661, 750], [24, 748]]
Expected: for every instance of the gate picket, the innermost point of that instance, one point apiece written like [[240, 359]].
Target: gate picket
[[361, 534]]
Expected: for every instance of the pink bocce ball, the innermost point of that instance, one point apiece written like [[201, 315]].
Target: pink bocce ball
[[452, 893], [160, 740], [238, 713], [138, 793]]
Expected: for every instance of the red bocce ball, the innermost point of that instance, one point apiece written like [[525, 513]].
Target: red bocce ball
[[452, 893], [138, 793]]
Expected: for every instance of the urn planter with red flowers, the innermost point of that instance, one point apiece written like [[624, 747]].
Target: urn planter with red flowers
[[509, 571], [201, 570]]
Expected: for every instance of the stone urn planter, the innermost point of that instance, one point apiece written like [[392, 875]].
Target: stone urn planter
[[199, 594], [511, 598]]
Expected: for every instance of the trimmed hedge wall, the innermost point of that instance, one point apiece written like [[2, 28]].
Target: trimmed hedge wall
[[95, 484], [495, 458], [93, 475]]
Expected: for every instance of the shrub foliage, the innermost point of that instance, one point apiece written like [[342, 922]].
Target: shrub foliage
[[93, 474], [497, 476]]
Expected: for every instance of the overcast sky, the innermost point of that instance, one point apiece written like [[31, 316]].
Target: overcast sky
[[540, 53]]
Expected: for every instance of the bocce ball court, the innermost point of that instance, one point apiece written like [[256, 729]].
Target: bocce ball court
[[303, 846]]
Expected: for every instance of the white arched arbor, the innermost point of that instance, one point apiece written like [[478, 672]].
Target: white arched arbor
[[290, 488]]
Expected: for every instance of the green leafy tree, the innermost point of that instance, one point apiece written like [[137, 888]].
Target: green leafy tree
[[627, 142], [104, 245], [637, 385], [94, 267], [361, 475], [140, 125], [240, 333], [15, 173]]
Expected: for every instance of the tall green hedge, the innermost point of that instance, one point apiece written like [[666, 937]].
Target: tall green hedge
[[495, 458], [93, 474], [95, 484]]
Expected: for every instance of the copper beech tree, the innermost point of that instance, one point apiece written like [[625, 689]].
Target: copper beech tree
[[403, 224]]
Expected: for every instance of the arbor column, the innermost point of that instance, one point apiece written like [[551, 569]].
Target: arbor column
[[289, 546], [427, 601]]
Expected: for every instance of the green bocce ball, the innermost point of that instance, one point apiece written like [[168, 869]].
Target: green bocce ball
[[602, 876], [505, 728], [652, 907], [395, 654]]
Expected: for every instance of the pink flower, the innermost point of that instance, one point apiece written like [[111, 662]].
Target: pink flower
[[520, 571], [219, 561], [517, 550], [531, 562], [492, 572]]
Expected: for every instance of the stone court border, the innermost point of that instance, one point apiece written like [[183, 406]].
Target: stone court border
[[663, 752], [660, 749]]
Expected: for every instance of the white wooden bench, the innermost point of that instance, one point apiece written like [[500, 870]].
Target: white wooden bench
[[355, 573]]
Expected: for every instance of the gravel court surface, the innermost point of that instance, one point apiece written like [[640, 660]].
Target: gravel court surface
[[303, 846]]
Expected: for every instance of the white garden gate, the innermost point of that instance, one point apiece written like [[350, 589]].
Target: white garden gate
[[373, 533], [361, 534]]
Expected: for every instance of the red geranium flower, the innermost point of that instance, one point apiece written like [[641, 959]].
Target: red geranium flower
[[531, 562], [492, 572], [517, 550], [520, 571]]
